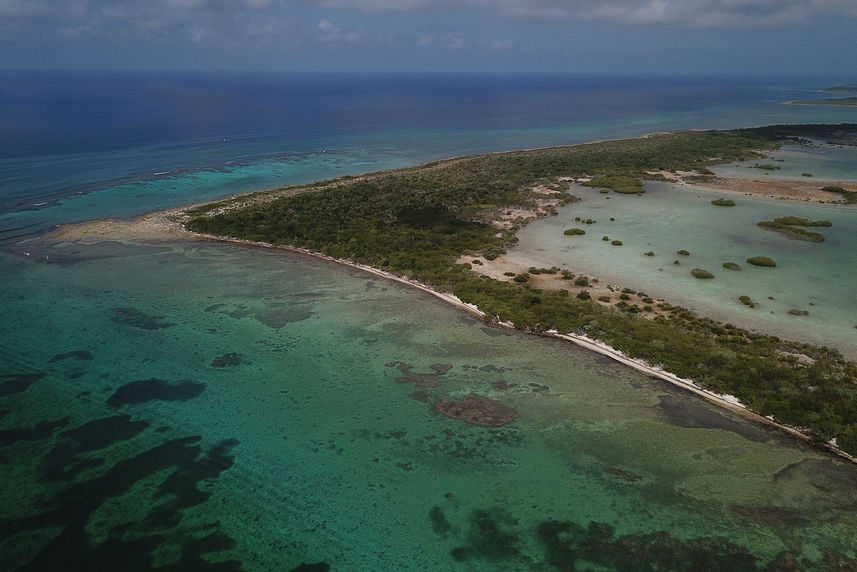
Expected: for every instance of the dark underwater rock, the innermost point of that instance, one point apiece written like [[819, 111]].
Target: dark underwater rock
[[478, 410]]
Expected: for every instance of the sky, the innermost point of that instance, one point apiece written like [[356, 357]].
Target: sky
[[767, 37]]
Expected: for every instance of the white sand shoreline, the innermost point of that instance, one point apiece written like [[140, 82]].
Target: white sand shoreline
[[727, 401], [167, 225]]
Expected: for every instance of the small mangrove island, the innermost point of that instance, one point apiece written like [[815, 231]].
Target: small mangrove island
[[761, 261], [426, 223], [723, 203], [792, 226]]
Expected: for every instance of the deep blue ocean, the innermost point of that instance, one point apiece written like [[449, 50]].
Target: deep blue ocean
[[184, 405], [63, 135]]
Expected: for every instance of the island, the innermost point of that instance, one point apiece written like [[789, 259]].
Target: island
[[846, 101], [426, 226]]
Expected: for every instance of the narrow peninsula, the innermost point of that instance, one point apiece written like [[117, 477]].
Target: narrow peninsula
[[427, 225]]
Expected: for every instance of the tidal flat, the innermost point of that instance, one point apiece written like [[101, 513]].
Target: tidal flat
[[817, 277]]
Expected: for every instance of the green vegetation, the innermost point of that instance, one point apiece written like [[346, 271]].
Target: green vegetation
[[649, 253], [616, 243], [846, 101], [619, 184], [845, 87], [805, 174], [849, 196], [551, 270], [731, 266], [747, 301], [791, 226], [702, 274], [521, 278], [682, 252], [417, 222], [796, 312], [800, 221], [761, 261], [574, 231], [723, 202], [766, 167]]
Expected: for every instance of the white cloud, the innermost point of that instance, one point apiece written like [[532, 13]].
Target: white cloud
[[380, 5], [199, 33], [454, 43], [332, 34], [18, 8], [686, 13], [446, 41], [502, 44]]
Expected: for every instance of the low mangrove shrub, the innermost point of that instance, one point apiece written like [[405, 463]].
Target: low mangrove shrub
[[619, 184], [723, 202], [701, 274], [761, 261], [792, 226], [573, 231], [416, 222]]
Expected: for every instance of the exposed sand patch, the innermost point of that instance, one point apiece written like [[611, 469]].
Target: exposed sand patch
[[786, 189], [157, 226], [601, 292]]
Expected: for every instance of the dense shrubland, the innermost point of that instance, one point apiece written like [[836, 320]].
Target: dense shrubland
[[416, 222]]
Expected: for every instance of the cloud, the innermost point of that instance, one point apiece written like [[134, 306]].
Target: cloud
[[20, 8], [380, 5], [447, 41], [200, 33], [684, 13], [331, 34]]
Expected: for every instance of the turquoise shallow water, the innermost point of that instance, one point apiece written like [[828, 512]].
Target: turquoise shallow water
[[187, 403], [195, 405], [814, 277]]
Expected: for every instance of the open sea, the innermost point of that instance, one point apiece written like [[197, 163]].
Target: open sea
[[194, 406]]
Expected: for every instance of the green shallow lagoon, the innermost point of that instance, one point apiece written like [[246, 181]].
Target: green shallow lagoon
[[814, 277], [186, 405]]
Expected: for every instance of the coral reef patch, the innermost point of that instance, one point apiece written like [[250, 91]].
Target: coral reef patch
[[478, 410], [155, 389]]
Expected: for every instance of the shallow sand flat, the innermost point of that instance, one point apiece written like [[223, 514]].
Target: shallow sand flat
[[785, 189], [160, 225]]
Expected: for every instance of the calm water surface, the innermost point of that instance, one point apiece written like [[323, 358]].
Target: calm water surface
[[191, 405]]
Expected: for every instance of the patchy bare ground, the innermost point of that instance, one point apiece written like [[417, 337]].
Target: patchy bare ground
[[783, 189]]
